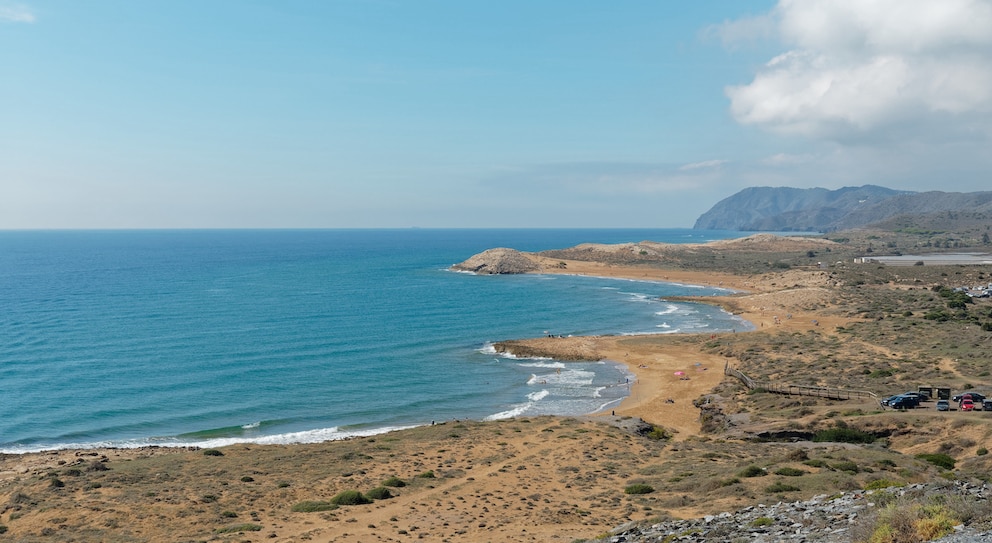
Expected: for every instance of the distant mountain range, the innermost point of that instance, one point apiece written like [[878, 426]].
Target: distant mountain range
[[785, 209]]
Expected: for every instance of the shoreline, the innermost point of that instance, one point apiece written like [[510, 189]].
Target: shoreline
[[659, 394], [522, 479]]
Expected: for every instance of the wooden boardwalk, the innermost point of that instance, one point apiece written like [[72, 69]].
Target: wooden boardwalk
[[800, 390]]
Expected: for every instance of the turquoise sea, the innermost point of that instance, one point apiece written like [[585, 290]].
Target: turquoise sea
[[133, 338]]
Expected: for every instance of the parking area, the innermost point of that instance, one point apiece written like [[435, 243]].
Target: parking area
[[924, 399]]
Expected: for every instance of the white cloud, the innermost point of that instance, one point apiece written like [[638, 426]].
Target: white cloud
[[879, 70], [15, 13], [704, 164]]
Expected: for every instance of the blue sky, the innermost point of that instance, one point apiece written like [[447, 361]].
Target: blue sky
[[377, 113]]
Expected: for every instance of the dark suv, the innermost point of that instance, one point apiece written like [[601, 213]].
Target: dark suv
[[904, 402]]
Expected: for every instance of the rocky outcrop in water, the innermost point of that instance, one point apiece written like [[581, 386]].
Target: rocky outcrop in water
[[498, 261]]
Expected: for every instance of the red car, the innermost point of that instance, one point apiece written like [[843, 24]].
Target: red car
[[967, 405]]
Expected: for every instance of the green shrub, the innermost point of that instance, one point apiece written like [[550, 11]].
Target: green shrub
[[753, 471], [379, 493], [938, 459], [229, 514], [350, 497], [247, 479], [638, 488], [212, 452], [239, 528], [982, 451], [762, 521], [816, 463], [658, 433], [779, 486], [843, 435], [394, 482], [790, 472], [845, 465], [3, 529], [313, 507], [429, 474]]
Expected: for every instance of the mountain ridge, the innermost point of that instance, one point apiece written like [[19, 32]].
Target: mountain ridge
[[785, 209]]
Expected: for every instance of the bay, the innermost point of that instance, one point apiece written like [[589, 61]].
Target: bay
[[132, 338]]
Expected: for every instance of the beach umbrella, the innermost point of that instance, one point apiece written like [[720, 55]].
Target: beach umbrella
[[680, 373]]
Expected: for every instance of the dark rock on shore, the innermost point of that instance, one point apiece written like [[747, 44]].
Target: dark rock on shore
[[499, 261]]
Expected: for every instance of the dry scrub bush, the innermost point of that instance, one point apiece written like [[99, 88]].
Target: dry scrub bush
[[915, 518]]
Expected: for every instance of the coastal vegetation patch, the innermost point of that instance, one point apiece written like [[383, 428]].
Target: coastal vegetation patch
[[843, 435], [379, 493], [938, 459], [350, 497], [248, 527], [638, 488]]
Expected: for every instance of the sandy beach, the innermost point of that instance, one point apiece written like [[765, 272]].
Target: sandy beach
[[535, 479]]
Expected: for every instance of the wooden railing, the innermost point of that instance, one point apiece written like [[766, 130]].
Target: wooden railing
[[800, 390]]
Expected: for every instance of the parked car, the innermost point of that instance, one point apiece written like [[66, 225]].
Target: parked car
[[986, 405], [975, 396], [967, 405], [904, 402], [944, 405], [890, 399]]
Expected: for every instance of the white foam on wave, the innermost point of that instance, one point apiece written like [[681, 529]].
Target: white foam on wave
[[540, 364], [251, 426], [576, 378], [488, 349], [521, 408], [607, 405], [318, 435], [538, 395], [669, 309], [510, 413]]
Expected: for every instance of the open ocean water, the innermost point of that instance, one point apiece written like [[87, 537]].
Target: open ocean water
[[132, 338]]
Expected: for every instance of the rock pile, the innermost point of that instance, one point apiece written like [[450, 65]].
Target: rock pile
[[498, 261], [825, 519]]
